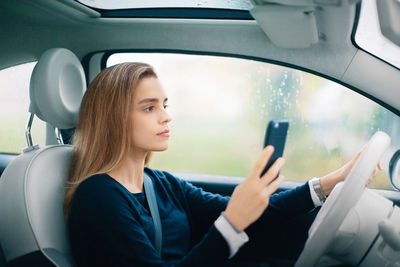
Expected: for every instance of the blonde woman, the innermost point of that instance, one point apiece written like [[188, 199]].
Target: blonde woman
[[123, 118]]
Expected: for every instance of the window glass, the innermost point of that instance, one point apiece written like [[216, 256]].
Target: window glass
[[124, 4], [14, 105], [220, 107]]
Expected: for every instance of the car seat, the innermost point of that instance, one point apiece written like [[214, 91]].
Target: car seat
[[32, 226]]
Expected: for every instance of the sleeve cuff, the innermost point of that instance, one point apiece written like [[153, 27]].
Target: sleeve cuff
[[314, 197], [232, 236]]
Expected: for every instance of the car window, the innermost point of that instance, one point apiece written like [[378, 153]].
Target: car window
[[14, 105], [220, 108], [121, 4]]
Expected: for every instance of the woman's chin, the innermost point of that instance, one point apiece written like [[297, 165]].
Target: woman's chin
[[160, 148]]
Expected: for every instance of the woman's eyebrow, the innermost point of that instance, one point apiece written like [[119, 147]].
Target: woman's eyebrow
[[146, 100]]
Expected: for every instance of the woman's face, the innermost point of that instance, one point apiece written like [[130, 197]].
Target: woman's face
[[149, 116]]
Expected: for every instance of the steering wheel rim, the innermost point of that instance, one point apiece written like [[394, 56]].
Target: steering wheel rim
[[341, 200]]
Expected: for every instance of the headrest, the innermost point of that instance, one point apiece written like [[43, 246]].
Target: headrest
[[57, 87]]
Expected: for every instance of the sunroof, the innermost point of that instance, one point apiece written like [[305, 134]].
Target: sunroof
[[133, 4]]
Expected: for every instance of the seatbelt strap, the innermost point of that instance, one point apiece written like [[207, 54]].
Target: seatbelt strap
[[151, 200]]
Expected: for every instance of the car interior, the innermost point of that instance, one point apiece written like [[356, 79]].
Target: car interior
[[71, 42]]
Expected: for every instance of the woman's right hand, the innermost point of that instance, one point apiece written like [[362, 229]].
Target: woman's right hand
[[251, 198]]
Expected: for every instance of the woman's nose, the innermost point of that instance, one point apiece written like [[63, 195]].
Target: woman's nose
[[166, 118]]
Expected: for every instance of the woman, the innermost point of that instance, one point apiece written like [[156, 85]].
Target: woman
[[122, 120]]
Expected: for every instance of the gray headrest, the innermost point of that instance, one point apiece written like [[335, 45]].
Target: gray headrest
[[57, 87]]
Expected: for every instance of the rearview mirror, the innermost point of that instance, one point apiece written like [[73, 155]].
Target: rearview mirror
[[394, 170]]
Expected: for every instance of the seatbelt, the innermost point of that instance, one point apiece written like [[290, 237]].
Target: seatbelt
[[151, 200]]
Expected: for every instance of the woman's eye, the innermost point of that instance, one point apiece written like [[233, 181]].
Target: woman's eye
[[148, 109], [165, 106]]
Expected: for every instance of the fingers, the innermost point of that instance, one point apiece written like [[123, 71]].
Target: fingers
[[261, 162], [272, 172], [356, 156], [378, 168], [375, 172], [274, 185], [362, 149], [350, 164], [380, 165]]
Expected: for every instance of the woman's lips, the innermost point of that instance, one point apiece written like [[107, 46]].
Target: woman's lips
[[164, 133]]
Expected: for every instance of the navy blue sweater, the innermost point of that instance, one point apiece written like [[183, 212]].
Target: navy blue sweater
[[109, 226]]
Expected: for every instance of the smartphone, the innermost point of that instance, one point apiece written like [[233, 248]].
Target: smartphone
[[275, 135]]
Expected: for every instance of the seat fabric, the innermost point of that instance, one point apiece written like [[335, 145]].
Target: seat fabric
[[32, 193]]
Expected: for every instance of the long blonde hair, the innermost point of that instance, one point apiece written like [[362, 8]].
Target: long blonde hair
[[103, 134]]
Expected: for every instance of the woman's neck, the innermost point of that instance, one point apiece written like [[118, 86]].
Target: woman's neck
[[129, 172]]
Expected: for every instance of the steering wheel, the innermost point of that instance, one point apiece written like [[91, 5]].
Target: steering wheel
[[341, 200]]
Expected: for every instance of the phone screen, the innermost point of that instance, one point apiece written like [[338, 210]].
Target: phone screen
[[275, 135]]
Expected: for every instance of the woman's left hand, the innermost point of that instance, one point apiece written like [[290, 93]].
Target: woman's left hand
[[329, 181]]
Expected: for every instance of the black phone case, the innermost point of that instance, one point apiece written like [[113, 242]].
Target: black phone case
[[276, 136]]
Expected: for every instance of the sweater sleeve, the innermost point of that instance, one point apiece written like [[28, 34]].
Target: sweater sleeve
[[205, 207], [280, 231], [291, 203], [283, 228]]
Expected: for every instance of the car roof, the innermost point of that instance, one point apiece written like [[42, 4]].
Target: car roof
[[32, 27]]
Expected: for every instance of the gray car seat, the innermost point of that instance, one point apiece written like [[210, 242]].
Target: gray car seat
[[32, 227]]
